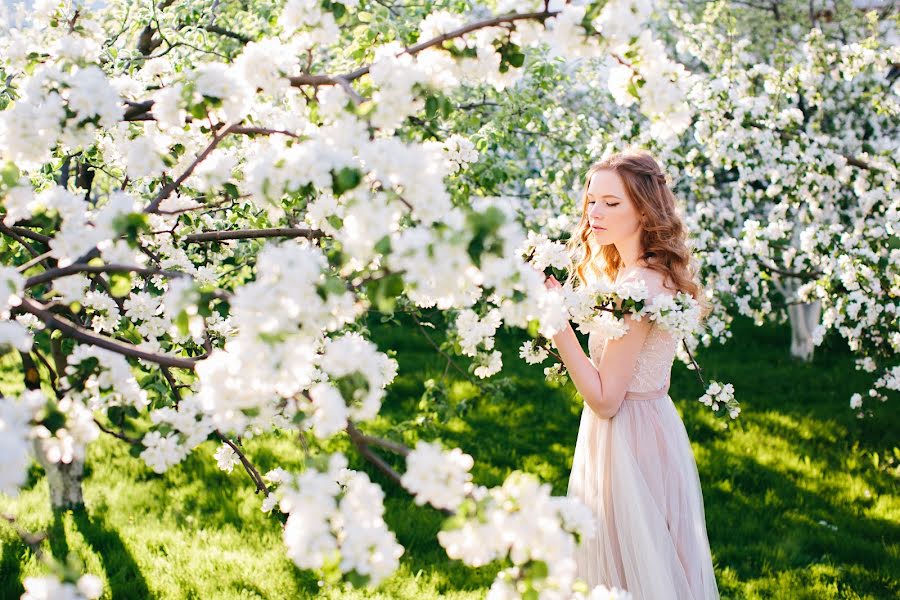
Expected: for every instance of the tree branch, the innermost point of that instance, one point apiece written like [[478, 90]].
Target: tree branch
[[167, 189], [25, 232], [52, 274], [243, 234], [379, 463], [309, 79], [82, 335]]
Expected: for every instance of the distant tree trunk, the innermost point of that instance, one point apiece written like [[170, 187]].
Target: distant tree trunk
[[804, 317], [64, 479]]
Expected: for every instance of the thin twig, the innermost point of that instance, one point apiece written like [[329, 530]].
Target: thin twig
[[116, 434], [442, 353], [248, 466]]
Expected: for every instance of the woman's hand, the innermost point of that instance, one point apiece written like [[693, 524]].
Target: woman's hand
[[551, 283]]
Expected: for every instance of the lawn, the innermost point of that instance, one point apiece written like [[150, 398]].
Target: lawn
[[802, 498]]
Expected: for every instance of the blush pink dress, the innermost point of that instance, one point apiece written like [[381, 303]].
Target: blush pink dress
[[637, 473]]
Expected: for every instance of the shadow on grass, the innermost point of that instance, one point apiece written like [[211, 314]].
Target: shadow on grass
[[762, 526], [11, 569], [122, 572]]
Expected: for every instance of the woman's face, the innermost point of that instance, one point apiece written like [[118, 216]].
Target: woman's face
[[612, 215]]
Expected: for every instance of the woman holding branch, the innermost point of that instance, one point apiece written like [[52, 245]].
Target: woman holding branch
[[633, 464]]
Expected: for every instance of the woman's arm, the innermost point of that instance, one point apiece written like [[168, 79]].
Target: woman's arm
[[603, 387], [581, 370]]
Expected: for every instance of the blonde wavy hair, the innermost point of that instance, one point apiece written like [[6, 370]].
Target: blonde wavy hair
[[663, 235]]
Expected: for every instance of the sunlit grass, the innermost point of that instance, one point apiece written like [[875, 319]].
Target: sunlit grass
[[797, 504]]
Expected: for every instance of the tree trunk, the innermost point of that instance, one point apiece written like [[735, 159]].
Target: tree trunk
[[804, 318], [64, 480]]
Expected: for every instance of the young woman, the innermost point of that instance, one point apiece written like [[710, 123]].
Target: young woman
[[633, 464]]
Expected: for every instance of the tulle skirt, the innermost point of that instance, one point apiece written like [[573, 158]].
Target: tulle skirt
[[637, 473]]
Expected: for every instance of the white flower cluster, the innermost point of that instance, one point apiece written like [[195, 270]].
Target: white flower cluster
[[460, 152], [226, 458], [592, 306], [309, 17], [57, 106], [545, 252], [679, 313], [281, 320], [16, 414], [82, 230], [112, 384], [631, 289], [888, 381], [721, 396], [395, 72], [656, 81], [556, 373], [275, 477], [337, 515], [607, 326], [621, 21], [12, 333], [178, 431], [327, 410], [12, 286], [438, 23], [521, 521], [439, 478], [49, 587], [476, 337], [532, 354], [351, 354], [69, 442], [15, 334]]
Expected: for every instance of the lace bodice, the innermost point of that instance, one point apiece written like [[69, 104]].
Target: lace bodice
[[654, 363]]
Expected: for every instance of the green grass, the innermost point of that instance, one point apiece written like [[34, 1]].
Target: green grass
[[796, 457]]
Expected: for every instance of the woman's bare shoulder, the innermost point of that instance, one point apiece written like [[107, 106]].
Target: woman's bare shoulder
[[657, 282]]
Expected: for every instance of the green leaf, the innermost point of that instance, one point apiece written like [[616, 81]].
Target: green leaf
[[383, 246], [198, 111], [131, 225], [447, 107], [431, 106], [539, 569], [9, 175], [345, 179], [182, 321], [516, 59], [383, 293], [231, 190], [120, 284]]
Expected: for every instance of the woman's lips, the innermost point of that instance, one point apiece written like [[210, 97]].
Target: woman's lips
[[598, 228]]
